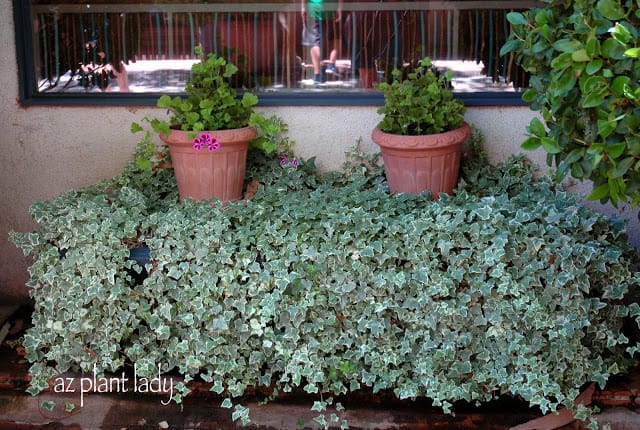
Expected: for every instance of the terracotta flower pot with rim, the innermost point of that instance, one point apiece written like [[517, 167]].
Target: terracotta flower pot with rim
[[413, 164], [203, 174]]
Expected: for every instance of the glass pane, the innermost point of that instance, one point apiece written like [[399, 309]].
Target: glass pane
[[149, 46]]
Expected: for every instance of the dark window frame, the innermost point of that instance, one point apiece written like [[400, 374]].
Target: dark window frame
[[29, 97]]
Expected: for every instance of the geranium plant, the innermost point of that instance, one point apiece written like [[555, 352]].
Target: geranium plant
[[420, 103], [213, 115], [211, 103]]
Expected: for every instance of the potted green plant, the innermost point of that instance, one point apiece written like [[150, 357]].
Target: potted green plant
[[422, 131], [209, 131]]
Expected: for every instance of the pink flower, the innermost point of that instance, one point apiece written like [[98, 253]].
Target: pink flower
[[284, 162], [205, 139], [214, 145]]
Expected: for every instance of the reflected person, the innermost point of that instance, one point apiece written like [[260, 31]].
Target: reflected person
[[314, 16]]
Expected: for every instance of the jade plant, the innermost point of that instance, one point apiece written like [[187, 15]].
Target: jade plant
[[329, 285], [583, 57], [420, 102]]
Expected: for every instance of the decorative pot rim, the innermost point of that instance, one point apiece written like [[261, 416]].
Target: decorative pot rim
[[438, 140], [185, 137]]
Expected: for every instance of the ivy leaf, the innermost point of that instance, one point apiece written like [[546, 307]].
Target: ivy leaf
[[319, 406], [48, 405]]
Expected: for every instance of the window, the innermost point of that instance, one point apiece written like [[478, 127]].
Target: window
[[101, 52]]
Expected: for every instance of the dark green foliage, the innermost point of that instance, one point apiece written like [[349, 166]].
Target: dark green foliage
[[211, 102], [583, 56], [420, 103]]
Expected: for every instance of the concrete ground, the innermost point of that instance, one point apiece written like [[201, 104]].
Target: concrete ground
[[620, 403]]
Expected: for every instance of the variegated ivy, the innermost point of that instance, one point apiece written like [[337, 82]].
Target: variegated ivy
[[331, 285]]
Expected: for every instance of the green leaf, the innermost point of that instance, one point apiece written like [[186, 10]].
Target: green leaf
[[613, 50], [574, 156], [566, 45], [580, 55], [615, 150], [48, 405], [632, 52], [593, 99], [550, 145], [564, 83], [619, 85], [249, 99], [510, 46], [610, 9], [599, 192], [537, 128], [593, 66], [606, 128], [531, 144], [593, 46], [621, 34], [143, 163], [542, 16], [135, 127], [623, 166], [529, 95], [562, 61], [164, 101], [516, 18]]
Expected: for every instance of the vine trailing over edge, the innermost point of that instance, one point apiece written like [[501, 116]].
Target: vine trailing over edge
[[329, 284]]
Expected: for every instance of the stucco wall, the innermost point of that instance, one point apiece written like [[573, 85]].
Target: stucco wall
[[47, 150]]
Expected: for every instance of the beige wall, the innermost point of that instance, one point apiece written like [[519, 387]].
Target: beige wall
[[47, 150]]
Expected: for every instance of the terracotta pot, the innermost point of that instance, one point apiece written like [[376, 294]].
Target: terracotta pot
[[204, 174], [414, 164]]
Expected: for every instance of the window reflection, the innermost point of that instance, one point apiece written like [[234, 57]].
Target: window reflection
[[148, 46]]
